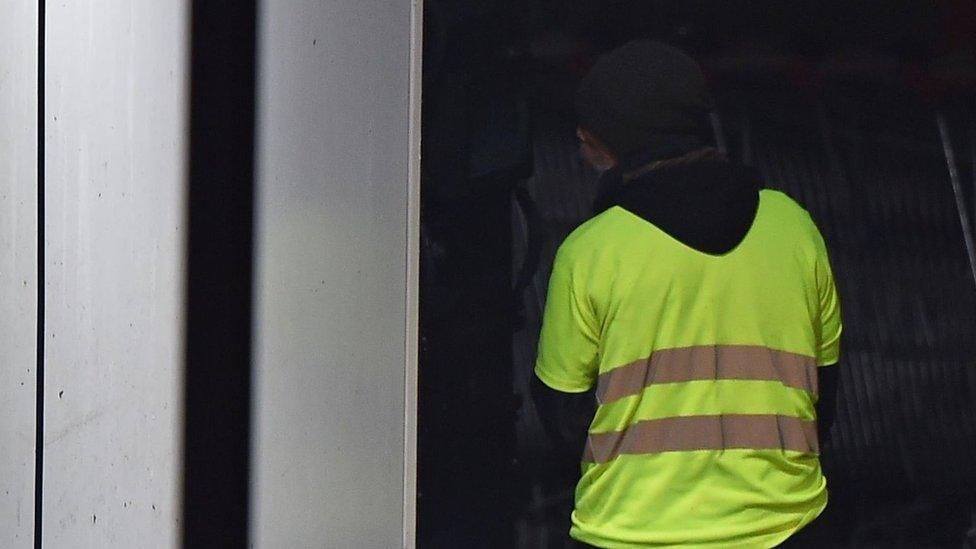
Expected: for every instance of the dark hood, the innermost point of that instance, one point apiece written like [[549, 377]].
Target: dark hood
[[708, 205]]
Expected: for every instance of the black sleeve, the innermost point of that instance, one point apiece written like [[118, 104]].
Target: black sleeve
[[565, 417], [827, 381]]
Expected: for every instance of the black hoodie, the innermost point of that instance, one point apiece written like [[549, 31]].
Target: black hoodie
[[708, 205]]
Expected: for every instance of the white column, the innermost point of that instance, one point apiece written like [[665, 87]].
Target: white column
[[335, 317], [18, 268], [116, 115]]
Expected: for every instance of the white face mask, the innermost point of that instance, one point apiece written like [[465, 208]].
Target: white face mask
[[596, 160], [601, 167]]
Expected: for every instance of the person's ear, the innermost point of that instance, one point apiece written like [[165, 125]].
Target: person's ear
[[594, 151]]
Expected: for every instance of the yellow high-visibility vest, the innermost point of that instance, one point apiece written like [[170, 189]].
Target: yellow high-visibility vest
[[705, 370]]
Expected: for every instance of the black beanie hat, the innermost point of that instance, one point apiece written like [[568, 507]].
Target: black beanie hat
[[640, 92]]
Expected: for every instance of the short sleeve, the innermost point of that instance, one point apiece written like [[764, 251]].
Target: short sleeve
[[569, 343], [829, 325]]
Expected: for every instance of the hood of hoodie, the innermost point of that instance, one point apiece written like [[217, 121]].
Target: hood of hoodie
[[708, 205]]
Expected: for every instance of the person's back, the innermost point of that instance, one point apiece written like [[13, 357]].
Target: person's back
[[699, 307]]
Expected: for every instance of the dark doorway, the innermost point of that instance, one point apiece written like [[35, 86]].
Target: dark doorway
[[855, 109], [217, 424]]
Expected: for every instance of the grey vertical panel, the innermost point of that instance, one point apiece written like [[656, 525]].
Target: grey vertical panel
[[18, 268], [115, 171], [413, 280], [332, 266]]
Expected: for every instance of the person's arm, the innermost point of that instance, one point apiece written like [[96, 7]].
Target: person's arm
[[565, 417], [829, 328], [567, 363], [827, 403]]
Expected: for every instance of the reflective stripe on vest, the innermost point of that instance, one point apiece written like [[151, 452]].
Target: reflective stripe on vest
[[707, 432], [676, 434], [708, 362]]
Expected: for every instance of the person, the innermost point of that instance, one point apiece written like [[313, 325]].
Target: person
[[699, 309]]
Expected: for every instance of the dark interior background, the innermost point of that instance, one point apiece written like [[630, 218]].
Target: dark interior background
[[857, 109]]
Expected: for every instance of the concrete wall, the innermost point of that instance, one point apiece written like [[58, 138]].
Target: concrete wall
[[115, 185], [336, 263], [334, 328], [18, 268]]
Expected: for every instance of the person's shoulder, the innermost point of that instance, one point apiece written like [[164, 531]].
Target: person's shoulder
[[593, 234], [785, 207], [794, 222], [781, 200]]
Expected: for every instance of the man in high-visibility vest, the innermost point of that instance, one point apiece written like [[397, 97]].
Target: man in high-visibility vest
[[702, 311]]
